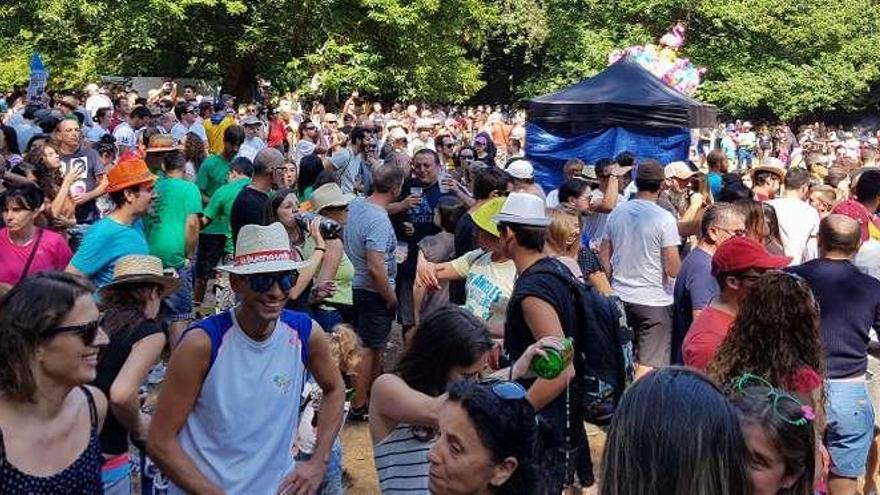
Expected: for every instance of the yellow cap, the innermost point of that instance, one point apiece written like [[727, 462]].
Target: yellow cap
[[483, 216]]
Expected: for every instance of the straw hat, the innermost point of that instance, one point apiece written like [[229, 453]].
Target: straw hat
[[329, 195], [141, 268], [521, 169], [162, 142], [262, 250], [771, 164]]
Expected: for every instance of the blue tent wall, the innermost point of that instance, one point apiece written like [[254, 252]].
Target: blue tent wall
[[548, 151]]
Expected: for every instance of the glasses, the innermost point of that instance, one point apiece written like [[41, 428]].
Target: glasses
[[466, 157], [449, 145], [87, 331], [264, 282], [788, 408], [311, 128]]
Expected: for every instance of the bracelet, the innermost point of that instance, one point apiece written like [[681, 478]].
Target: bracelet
[[321, 249]]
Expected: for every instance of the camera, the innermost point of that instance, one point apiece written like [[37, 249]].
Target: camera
[[329, 229]]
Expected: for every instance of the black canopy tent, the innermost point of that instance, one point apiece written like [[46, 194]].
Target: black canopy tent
[[623, 95]]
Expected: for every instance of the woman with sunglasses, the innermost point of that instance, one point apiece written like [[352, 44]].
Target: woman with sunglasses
[[49, 419], [450, 344], [674, 433], [487, 435], [779, 435], [130, 302]]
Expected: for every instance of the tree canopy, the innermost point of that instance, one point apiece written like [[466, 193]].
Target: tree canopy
[[790, 59]]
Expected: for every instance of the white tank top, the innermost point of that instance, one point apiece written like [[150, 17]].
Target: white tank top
[[241, 429]]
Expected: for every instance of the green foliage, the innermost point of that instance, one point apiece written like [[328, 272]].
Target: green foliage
[[791, 58]]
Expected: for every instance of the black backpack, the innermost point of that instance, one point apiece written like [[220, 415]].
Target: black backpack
[[603, 344]]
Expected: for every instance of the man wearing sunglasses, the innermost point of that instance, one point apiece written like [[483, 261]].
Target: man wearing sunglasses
[[736, 265], [695, 286], [187, 121], [232, 393]]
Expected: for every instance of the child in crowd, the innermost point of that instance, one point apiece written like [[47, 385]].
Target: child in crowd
[[345, 349], [438, 248]]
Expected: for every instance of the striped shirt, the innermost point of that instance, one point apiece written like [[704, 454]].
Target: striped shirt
[[402, 461]]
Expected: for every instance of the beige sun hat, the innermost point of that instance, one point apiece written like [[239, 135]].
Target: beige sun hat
[[263, 250], [141, 268], [329, 195]]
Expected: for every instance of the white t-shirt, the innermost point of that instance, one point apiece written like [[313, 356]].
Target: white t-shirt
[[488, 285], [250, 147], [867, 260], [553, 198], [594, 222], [638, 230], [798, 227], [124, 135]]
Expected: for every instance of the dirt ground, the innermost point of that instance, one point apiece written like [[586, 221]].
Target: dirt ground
[[357, 447]]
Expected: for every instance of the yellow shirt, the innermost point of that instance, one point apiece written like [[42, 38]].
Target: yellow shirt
[[215, 133]]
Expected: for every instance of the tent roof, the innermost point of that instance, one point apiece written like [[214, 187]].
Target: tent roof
[[624, 94]]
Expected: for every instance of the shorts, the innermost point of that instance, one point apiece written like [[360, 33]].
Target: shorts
[[406, 315], [329, 316], [209, 252], [652, 326], [179, 305], [372, 321], [873, 385], [850, 430]]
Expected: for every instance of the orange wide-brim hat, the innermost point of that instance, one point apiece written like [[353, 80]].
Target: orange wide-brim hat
[[128, 173]]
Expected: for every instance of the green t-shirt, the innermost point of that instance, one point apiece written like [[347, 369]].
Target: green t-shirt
[[343, 278], [176, 199], [213, 174], [220, 207]]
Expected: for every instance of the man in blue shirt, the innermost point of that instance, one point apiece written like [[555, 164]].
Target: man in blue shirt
[[122, 232], [695, 286]]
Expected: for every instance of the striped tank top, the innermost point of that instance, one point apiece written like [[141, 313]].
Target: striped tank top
[[402, 460]]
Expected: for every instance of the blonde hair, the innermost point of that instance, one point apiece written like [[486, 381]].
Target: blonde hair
[[344, 347], [563, 234]]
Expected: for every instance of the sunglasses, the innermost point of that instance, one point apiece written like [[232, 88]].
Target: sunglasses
[[735, 232], [87, 331], [788, 408], [264, 282], [508, 390]]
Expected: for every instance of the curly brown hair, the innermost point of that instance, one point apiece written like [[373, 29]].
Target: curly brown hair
[[775, 334]]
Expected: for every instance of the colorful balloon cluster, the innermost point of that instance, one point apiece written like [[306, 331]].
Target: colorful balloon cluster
[[663, 61]]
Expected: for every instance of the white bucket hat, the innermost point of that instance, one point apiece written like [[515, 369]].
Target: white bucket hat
[[523, 209], [262, 250]]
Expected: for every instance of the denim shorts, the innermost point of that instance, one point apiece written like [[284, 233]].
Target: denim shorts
[[850, 426], [179, 305]]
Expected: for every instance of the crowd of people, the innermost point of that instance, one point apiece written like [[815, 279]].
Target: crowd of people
[[254, 261]]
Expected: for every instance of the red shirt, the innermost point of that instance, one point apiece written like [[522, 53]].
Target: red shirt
[[705, 337], [53, 253]]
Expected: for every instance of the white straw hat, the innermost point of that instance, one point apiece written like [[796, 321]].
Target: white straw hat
[[262, 250], [329, 195], [523, 209], [521, 169]]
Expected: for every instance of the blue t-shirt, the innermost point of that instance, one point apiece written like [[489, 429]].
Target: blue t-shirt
[[422, 218], [369, 229], [715, 183], [694, 288], [849, 305], [104, 243]]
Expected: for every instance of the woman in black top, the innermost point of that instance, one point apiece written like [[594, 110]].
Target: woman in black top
[[50, 334], [131, 302]]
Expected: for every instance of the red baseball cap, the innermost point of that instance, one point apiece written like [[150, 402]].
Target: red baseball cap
[[739, 254], [855, 210]]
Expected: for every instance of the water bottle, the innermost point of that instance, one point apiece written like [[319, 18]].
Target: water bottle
[[330, 229], [551, 365]]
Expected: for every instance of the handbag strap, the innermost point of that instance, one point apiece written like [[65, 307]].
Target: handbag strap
[[30, 260]]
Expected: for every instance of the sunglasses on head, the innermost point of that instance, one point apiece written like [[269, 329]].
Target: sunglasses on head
[[265, 281], [787, 407], [508, 390], [87, 331]]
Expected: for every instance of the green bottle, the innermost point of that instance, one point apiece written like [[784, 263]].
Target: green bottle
[[551, 366]]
